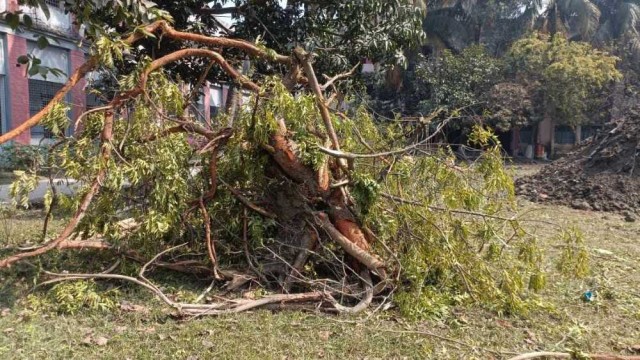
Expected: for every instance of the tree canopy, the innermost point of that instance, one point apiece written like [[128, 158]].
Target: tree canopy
[[571, 74]]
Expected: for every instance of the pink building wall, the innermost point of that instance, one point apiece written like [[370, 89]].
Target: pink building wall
[[78, 96], [18, 86]]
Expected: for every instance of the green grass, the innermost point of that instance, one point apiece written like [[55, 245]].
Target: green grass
[[611, 324]]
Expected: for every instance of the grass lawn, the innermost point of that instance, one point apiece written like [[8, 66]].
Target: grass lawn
[[609, 324]]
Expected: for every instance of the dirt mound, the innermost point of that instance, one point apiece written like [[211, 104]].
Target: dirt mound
[[602, 174]]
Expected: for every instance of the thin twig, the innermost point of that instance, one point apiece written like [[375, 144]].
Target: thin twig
[[353, 156]]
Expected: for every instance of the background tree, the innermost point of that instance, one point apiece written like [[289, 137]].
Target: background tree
[[571, 75]]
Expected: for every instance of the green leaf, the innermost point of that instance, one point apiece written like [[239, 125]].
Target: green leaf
[[28, 22], [42, 42], [23, 59], [33, 70], [13, 20]]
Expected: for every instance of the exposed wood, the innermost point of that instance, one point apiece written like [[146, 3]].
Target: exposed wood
[[367, 259]]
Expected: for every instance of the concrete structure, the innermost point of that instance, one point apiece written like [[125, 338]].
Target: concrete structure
[[548, 140]]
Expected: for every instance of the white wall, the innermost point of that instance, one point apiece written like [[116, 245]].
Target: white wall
[[57, 21], [2, 59], [215, 96], [52, 57]]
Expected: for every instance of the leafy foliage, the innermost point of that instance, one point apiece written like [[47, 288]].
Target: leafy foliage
[[571, 74], [73, 297], [458, 81], [574, 260], [450, 226], [451, 257], [22, 157]]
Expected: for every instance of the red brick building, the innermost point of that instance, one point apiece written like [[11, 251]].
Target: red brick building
[[21, 95]]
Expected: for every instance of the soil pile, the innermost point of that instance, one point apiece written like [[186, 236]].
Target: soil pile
[[603, 174]]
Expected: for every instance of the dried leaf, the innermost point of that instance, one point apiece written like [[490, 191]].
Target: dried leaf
[[324, 335], [504, 324], [148, 330], [207, 344], [250, 295], [101, 341], [531, 336]]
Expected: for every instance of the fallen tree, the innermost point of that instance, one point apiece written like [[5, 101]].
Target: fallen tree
[[296, 195]]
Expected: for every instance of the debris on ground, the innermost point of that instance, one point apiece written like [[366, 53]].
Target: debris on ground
[[603, 174]]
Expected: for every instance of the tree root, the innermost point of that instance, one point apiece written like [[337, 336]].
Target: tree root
[[364, 303]]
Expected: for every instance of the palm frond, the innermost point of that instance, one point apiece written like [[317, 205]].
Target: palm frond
[[455, 34], [582, 17], [627, 19]]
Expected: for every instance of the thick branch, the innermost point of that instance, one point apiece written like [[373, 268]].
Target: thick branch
[[248, 47], [80, 73], [196, 52], [169, 32], [367, 259], [304, 59]]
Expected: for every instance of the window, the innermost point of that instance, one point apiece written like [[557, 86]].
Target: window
[[42, 90], [199, 113], [213, 111], [526, 135], [93, 101], [215, 100], [56, 20], [40, 93], [589, 131], [564, 135]]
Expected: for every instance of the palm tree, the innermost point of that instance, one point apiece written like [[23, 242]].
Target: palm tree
[[456, 24], [602, 22]]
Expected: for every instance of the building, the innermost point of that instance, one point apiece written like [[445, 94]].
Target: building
[[546, 140], [22, 96]]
